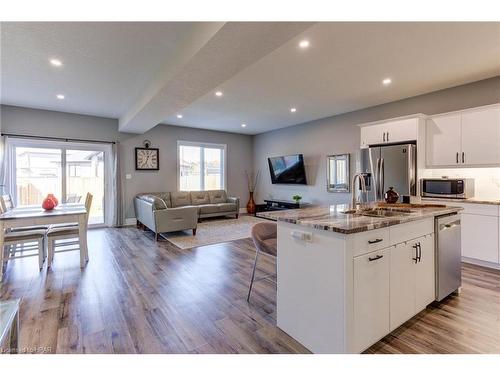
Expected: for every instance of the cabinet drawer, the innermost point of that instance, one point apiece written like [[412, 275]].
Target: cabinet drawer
[[408, 231], [371, 240]]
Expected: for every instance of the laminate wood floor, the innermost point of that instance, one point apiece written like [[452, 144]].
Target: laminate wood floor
[[139, 296]]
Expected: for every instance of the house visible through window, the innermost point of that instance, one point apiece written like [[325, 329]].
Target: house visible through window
[[67, 170], [201, 166]]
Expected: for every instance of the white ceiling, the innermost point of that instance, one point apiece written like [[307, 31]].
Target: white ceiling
[[110, 68], [107, 65], [342, 71]]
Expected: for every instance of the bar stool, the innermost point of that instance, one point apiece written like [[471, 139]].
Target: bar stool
[[264, 236]]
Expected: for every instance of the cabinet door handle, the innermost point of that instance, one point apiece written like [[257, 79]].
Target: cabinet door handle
[[419, 252], [377, 257], [416, 253], [457, 157], [387, 136], [375, 241], [384, 136], [463, 157]]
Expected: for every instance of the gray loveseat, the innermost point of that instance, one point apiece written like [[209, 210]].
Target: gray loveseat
[[181, 210]]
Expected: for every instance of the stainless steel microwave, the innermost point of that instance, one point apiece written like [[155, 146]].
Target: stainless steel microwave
[[459, 188]]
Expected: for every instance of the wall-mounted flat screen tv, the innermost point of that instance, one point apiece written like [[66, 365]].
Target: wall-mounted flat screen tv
[[287, 169]]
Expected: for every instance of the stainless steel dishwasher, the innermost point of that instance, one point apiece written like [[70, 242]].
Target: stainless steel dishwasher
[[448, 255]]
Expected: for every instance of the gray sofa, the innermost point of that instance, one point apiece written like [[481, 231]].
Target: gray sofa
[[181, 210]]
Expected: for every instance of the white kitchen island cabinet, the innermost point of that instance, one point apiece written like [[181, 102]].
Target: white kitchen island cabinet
[[342, 292], [370, 297]]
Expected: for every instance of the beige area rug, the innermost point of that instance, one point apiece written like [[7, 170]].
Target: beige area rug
[[211, 231]]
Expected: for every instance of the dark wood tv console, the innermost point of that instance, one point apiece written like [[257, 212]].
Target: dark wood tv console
[[278, 205]]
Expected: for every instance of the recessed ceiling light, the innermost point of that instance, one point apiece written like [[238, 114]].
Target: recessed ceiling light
[[56, 62], [304, 44], [60, 96], [179, 116], [218, 93], [293, 109], [387, 81], [243, 125]]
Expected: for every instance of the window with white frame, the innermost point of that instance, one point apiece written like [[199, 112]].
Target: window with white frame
[[66, 169], [201, 166]]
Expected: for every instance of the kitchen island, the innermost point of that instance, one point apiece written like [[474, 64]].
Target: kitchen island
[[345, 280]]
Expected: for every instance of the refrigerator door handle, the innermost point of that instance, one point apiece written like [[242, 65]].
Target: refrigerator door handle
[[412, 184], [377, 180], [382, 176]]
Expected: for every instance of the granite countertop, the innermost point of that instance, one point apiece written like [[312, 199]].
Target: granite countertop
[[467, 200], [332, 218]]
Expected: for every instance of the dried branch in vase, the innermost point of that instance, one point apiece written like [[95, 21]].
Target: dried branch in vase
[[252, 180]]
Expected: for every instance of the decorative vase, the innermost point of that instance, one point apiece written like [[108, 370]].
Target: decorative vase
[[251, 204], [391, 196], [52, 196], [48, 204]]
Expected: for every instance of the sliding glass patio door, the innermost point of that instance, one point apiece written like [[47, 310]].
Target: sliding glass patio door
[[38, 173], [85, 173], [67, 170]]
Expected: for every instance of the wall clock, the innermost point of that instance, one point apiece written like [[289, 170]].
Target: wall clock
[[146, 158]]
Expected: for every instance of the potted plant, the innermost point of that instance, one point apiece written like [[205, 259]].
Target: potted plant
[[297, 198], [252, 181]]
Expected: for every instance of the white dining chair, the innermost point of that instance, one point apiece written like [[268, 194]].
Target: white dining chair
[[26, 242], [65, 225], [7, 204], [56, 236]]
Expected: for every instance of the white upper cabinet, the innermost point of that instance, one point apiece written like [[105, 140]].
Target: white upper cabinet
[[401, 130], [465, 138], [372, 135], [443, 140], [394, 131], [481, 136]]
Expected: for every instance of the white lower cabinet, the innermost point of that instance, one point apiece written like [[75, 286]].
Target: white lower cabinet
[[480, 237], [371, 298], [403, 284], [425, 273], [412, 279]]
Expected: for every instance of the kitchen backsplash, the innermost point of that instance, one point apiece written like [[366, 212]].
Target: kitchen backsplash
[[487, 180]]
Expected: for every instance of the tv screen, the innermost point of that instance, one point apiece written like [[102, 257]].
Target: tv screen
[[287, 169]]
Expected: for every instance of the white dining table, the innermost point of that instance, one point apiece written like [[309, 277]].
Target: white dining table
[[62, 214]]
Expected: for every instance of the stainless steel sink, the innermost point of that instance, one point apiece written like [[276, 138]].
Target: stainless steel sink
[[383, 212], [379, 212]]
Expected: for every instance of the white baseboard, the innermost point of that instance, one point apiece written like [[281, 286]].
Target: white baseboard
[[483, 263], [243, 210], [130, 221]]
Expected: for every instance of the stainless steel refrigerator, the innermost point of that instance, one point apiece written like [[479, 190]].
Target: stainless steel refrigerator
[[385, 166]]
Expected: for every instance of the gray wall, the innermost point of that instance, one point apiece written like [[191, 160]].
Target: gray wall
[[239, 159], [30, 121], [316, 139], [339, 134]]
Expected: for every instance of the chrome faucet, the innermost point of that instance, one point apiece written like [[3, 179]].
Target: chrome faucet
[[362, 180]]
